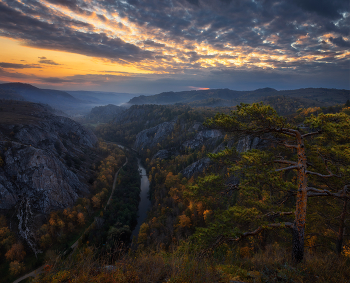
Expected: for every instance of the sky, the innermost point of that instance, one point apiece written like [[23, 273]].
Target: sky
[[151, 46]]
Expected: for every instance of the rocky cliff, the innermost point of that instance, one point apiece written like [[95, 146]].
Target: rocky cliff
[[202, 137], [151, 137], [196, 167], [43, 165]]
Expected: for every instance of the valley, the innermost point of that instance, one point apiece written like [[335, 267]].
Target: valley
[[187, 141], [199, 183]]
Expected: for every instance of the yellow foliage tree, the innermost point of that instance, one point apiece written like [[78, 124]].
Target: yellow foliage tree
[[81, 219], [185, 221], [96, 202], [16, 252], [16, 267]]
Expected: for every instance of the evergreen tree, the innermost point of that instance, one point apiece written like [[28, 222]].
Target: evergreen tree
[[263, 121]]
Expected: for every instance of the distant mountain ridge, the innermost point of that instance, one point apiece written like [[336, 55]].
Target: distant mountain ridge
[[227, 97], [71, 102], [26, 92], [34, 94], [102, 97]]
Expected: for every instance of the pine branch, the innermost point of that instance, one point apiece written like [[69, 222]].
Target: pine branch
[[330, 173], [275, 214], [323, 176], [287, 168], [286, 198], [286, 131], [311, 134], [313, 192], [285, 162], [290, 145]]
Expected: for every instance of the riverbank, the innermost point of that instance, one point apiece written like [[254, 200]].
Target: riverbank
[[145, 203]]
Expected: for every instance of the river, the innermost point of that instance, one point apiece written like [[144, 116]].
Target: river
[[145, 203]]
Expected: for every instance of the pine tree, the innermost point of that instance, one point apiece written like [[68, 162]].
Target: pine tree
[[261, 120]]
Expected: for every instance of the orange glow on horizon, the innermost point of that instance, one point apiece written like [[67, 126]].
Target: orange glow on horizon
[[155, 51], [198, 88]]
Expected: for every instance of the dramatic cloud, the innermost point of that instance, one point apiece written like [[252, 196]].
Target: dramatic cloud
[[339, 41], [197, 39], [44, 60], [17, 66], [54, 80]]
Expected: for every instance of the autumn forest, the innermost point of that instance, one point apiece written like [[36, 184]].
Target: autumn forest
[[238, 194]]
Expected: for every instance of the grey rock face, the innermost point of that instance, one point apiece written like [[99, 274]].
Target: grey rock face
[[166, 153], [195, 167], [34, 178], [247, 143], [162, 154], [197, 126], [243, 144], [40, 176], [201, 137], [151, 137]]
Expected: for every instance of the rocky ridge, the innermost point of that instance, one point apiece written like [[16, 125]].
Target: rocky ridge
[[41, 166]]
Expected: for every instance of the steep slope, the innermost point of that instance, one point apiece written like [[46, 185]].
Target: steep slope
[[44, 162]]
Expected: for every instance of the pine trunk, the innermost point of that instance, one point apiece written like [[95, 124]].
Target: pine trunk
[[301, 203]]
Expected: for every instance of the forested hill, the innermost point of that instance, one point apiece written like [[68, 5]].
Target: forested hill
[[21, 91], [103, 114], [227, 97]]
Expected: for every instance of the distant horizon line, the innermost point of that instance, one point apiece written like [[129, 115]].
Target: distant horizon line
[[191, 88]]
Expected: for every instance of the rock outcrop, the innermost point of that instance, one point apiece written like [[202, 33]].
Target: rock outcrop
[[41, 167], [247, 143], [201, 137], [166, 153], [195, 167], [151, 137]]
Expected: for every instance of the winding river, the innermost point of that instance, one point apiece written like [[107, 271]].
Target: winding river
[[145, 203]]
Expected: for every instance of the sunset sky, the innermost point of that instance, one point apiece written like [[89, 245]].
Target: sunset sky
[[150, 46]]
